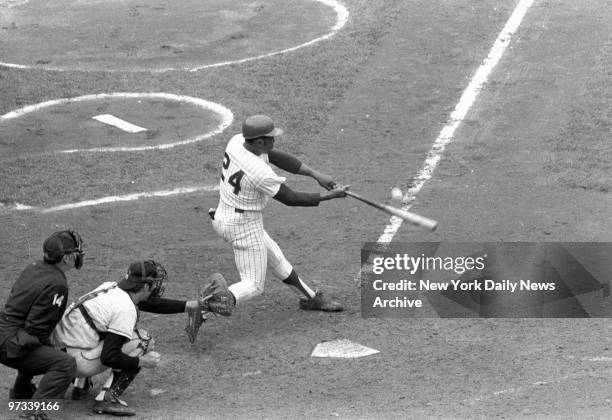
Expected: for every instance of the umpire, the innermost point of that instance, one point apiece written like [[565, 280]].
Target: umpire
[[35, 305]]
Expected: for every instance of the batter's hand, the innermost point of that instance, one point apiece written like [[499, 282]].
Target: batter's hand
[[338, 191], [325, 181]]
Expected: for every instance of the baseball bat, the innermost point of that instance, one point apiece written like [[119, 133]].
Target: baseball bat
[[410, 217]]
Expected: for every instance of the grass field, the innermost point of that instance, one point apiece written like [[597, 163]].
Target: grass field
[[530, 162]]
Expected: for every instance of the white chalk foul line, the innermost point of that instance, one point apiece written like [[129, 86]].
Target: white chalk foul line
[[117, 198], [341, 19], [523, 388], [597, 359], [457, 116], [585, 373], [225, 115], [520, 389], [12, 3]]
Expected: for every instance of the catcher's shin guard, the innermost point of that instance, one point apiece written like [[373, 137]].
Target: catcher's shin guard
[[121, 380], [110, 403]]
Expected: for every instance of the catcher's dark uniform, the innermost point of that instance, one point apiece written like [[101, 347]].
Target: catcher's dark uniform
[[35, 305]]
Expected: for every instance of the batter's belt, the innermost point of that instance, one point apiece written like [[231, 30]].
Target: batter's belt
[[226, 209]]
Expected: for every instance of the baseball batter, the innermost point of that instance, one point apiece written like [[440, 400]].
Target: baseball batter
[[247, 183]]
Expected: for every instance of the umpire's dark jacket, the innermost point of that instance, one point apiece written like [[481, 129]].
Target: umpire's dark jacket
[[34, 307]]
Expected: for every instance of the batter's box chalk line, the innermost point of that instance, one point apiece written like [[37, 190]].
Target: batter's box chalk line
[[115, 199], [528, 388]]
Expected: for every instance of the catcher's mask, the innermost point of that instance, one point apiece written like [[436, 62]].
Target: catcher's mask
[[63, 243], [145, 272]]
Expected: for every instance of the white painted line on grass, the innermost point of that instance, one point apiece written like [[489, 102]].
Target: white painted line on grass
[[12, 3], [458, 115], [226, 116], [341, 19], [117, 198], [119, 123], [598, 359], [15, 206], [528, 388]]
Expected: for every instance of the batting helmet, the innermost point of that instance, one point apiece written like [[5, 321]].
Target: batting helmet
[[63, 243], [259, 126]]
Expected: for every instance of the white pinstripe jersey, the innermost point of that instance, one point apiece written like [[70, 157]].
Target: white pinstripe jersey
[[247, 180]]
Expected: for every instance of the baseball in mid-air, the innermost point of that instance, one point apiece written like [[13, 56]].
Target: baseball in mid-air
[[396, 193]]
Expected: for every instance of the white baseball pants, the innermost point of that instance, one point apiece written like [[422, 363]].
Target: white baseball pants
[[254, 250]]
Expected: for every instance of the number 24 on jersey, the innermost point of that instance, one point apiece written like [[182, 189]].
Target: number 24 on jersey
[[235, 178]]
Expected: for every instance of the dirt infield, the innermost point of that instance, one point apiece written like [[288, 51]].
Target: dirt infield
[[364, 105]]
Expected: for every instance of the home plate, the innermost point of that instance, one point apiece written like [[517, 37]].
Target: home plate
[[341, 348]]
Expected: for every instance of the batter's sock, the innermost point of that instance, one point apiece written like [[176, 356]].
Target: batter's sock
[[298, 285]]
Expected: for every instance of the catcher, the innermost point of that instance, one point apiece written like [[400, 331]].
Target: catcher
[[100, 331]]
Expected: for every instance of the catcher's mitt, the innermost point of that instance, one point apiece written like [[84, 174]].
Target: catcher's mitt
[[214, 297]]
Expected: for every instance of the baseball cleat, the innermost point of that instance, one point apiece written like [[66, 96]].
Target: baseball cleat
[[114, 408], [320, 303]]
